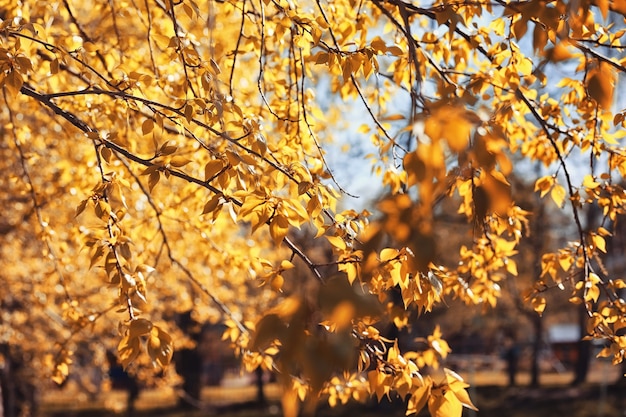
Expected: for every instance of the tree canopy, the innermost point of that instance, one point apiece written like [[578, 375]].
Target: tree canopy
[[163, 156]]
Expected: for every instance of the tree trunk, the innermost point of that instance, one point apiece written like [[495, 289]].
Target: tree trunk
[[538, 240], [536, 351], [1, 400], [260, 393], [584, 349], [7, 391], [584, 346]]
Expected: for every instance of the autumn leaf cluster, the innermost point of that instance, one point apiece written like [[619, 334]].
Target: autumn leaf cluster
[[165, 156]]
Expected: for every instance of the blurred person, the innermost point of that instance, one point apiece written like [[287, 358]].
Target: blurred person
[[511, 355]]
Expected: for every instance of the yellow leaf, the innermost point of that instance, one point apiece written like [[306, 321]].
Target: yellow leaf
[[388, 254], [189, 111], [147, 126], [559, 53], [499, 176], [457, 385], [277, 283], [539, 304], [451, 124], [511, 267], [419, 398], [337, 242], [128, 349], [394, 117], [378, 45], [139, 327], [351, 270], [54, 66], [179, 161], [590, 182], [279, 226], [544, 184], [213, 204], [342, 314], [81, 207], [463, 396], [153, 179], [160, 347], [285, 265], [566, 262], [103, 210], [394, 50], [304, 186], [212, 168], [599, 242], [558, 194], [592, 293], [444, 405], [601, 83]]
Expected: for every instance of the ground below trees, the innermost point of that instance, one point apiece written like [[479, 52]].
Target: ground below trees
[[557, 398]]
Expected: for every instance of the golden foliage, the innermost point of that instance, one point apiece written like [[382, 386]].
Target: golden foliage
[[156, 151]]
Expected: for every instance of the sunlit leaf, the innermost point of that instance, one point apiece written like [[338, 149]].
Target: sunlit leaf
[[539, 304], [139, 327], [160, 347], [558, 194], [599, 242], [601, 83]]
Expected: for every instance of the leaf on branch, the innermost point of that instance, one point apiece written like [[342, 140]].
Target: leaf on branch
[[160, 347], [590, 182], [102, 210], [443, 403], [13, 82], [167, 148], [276, 282], [558, 195], [450, 123], [106, 154], [153, 179], [599, 242], [214, 205], [601, 83], [179, 161], [212, 168], [81, 207], [538, 304], [147, 127], [54, 66], [458, 387], [337, 242], [304, 186], [279, 226], [128, 349], [544, 184], [139, 327], [419, 397], [286, 265]]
